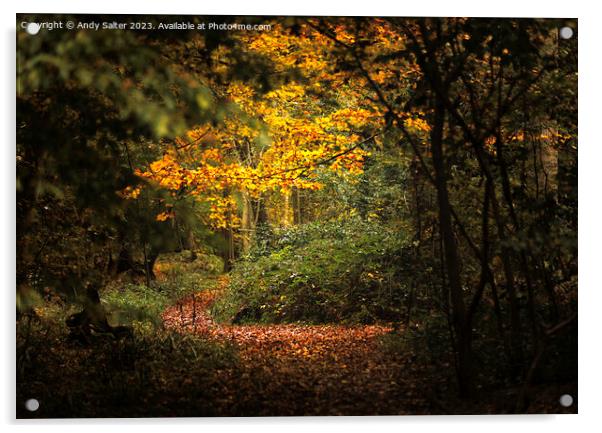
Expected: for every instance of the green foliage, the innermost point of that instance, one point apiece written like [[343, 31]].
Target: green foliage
[[354, 263], [135, 303], [92, 106], [131, 71], [379, 193], [180, 277], [199, 265], [320, 272]]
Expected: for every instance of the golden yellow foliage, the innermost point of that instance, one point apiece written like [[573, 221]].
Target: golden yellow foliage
[[278, 140]]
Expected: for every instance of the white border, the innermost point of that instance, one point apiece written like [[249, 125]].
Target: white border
[[509, 8], [590, 225]]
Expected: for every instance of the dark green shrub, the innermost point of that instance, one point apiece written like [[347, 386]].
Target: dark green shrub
[[348, 271]]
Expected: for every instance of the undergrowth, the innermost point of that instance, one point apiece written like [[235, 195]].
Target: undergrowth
[[342, 271]]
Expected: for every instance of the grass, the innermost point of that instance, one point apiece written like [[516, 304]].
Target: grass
[[177, 277]]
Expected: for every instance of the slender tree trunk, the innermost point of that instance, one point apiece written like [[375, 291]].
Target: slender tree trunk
[[147, 271], [227, 249], [287, 209], [247, 222], [515, 322], [463, 332], [417, 236], [152, 256]]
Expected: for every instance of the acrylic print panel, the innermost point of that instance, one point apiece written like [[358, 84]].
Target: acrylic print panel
[[267, 216]]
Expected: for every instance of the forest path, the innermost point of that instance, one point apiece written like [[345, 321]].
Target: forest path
[[291, 369]]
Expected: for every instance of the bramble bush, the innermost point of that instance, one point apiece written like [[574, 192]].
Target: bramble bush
[[341, 271]]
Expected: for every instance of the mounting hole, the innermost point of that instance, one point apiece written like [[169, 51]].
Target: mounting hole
[[566, 400], [32, 405], [566, 33], [32, 28]]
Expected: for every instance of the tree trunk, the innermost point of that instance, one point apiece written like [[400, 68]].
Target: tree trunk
[[287, 209], [151, 258], [227, 251], [247, 222], [462, 332]]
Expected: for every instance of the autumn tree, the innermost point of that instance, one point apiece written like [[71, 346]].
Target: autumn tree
[[269, 143]]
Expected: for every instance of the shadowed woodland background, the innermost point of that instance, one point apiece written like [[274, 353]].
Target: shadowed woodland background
[[332, 216]]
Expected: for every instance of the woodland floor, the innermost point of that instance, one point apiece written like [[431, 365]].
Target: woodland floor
[[277, 370], [305, 369], [289, 369]]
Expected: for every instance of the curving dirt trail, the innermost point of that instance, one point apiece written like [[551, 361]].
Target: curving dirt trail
[[305, 369]]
